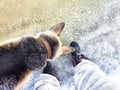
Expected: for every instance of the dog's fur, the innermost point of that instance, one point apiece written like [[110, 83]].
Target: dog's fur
[[19, 58]]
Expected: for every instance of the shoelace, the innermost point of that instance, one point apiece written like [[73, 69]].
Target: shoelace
[[76, 58]]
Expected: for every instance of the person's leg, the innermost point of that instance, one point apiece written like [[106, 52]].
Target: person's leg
[[47, 80], [88, 75]]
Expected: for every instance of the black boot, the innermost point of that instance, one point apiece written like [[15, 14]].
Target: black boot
[[49, 69], [76, 55]]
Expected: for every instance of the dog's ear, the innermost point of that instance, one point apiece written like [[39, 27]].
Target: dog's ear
[[67, 50], [58, 28]]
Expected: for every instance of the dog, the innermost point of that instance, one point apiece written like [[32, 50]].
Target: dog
[[20, 57]]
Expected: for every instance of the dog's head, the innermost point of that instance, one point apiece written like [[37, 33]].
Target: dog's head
[[53, 35]]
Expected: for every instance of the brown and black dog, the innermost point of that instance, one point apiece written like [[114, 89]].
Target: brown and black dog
[[19, 58]]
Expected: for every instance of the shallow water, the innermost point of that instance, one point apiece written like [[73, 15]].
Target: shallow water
[[95, 24]]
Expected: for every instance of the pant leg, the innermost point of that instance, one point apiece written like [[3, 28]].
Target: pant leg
[[47, 82], [88, 76]]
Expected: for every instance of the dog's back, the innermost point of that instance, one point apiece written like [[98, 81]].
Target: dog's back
[[16, 58]]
